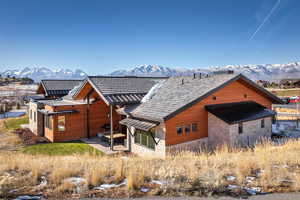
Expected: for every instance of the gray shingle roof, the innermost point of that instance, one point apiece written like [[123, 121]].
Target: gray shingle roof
[[59, 87], [174, 97], [123, 90]]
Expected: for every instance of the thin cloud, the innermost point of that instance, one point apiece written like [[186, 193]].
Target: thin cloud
[[265, 19]]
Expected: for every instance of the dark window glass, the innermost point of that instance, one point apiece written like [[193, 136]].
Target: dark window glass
[[179, 130], [194, 127], [144, 139], [262, 123], [34, 116], [137, 137], [240, 128], [187, 129]]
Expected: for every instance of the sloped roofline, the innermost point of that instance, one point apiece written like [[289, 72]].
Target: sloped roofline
[[273, 97], [89, 80]]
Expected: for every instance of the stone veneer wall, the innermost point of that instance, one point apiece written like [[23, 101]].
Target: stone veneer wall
[[194, 145], [159, 151], [219, 132], [252, 132], [33, 107]]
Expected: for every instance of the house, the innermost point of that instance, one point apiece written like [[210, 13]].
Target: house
[[47, 89], [53, 88], [157, 115], [92, 108], [188, 112]]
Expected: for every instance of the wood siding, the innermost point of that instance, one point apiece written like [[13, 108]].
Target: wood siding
[[76, 123], [233, 92]]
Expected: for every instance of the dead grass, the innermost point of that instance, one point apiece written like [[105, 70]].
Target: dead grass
[[278, 167]]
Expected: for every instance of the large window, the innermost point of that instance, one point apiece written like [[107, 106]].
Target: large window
[[48, 122], [144, 138], [61, 124], [187, 129]]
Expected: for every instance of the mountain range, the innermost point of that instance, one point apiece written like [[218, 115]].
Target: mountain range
[[271, 72], [39, 73]]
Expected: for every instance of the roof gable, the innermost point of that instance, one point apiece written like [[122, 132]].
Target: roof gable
[[180, 93], [58, 87], [120, 90]]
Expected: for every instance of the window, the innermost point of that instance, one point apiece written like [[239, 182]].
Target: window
[[187, 129], [240, 128], [194, 127], [61, 124], [34, 116], [179, 130], [262, 123], [30, 116], [214, 98], [144, 138], [48, 122]]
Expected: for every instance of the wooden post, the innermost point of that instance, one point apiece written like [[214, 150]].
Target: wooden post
[[88, 116], [111, 129]]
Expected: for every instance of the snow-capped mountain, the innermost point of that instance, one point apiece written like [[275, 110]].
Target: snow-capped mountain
[[39, 73], [271, 72]]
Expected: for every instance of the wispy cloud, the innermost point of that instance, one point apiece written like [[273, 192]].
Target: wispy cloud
[[265, 19]]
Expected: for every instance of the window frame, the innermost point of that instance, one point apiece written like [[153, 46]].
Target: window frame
[[193, 127], [179, 128], [64, 126], [262, 123], [138, 139], [240, 128], [187, 127]]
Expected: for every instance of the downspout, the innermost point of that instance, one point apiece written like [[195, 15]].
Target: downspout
[[88, 116]]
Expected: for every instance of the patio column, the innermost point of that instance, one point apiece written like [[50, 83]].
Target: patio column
[[111, 128]]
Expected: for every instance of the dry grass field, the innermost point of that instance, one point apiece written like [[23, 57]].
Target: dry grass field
[[269, 167], [272, 168]]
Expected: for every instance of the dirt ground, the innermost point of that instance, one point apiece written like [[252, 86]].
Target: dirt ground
[[8, 140]]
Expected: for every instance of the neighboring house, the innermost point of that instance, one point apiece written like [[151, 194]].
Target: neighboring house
[[161, 115], [92, 109], [53, 89], [47, 89]]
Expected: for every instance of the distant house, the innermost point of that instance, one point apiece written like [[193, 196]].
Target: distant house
[[155, 116], [289, 83]]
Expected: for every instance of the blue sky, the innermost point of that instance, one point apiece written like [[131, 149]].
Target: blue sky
[[102, 36]]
